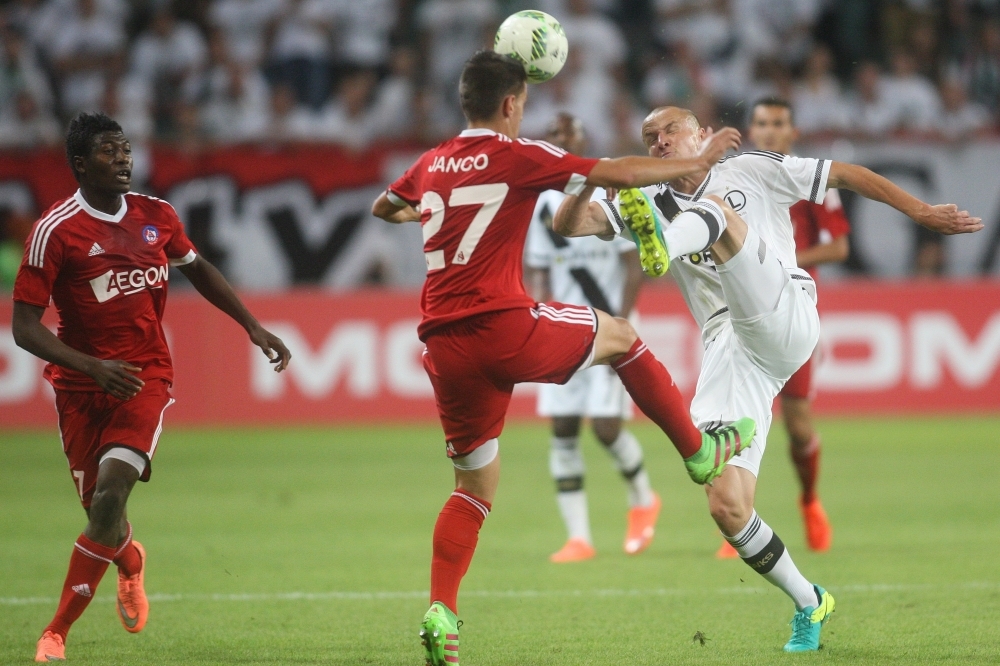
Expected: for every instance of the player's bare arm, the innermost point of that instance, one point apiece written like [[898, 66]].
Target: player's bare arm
[[390, 212], [824, 253], [633, 281], [211, 284], [943, 218], [117, 377]]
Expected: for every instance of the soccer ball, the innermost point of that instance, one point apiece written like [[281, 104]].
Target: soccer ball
[[536, 40]]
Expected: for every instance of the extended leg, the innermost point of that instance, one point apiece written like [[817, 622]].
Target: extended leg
[[644, 504], [567, 469], [805, 451]]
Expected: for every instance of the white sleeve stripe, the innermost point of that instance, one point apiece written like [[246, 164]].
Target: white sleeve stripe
[[394, 198], [50, 227], [41, 227], [575, 184], [544, 145], [185, 260]]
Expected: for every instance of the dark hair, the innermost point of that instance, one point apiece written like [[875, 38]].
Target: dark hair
[[487, 78], [82, 131], [773, 101]]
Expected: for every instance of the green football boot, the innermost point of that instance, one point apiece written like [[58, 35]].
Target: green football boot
[[807, 623], [719, 446], [641, 217], [439, 636]]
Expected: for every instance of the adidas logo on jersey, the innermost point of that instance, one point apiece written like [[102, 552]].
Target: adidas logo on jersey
[[95, 249], [83, 590]]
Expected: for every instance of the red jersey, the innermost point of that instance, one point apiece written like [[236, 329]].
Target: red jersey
[[476, 194], [107, 276], [818, 223]]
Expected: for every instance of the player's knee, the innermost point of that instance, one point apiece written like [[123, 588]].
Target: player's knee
[[566, 426], [729, 511], [625, 333], [108, 504], [606, 430]]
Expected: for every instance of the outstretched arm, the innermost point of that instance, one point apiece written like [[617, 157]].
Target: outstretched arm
[[210, 283], [578, 216], [390, 212], [943, 218], [114, 376]]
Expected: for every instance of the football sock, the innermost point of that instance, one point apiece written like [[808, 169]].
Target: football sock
[[694, 230], [806, 461], [87, 565], [126, 556], [761, 548], [455, 536], [654, 392], [566, 466], [627, 454]]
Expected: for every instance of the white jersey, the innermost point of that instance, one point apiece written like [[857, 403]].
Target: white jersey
[[760, 186], [582, 271]]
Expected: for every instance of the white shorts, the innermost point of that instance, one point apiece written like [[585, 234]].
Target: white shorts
[[748, 362], [595, 392]]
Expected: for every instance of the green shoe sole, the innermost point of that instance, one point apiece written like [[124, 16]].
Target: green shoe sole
[[640, 216]]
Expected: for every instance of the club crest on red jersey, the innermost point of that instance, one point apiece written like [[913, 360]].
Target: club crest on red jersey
[[150, 234]]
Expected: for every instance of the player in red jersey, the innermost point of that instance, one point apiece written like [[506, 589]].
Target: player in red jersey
[[474, 196], [821, 236], [102, 256]]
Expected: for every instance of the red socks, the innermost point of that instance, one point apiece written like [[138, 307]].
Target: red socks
[[807, 467], [655, 393], [127, 556], [455, 536], [87, 565]]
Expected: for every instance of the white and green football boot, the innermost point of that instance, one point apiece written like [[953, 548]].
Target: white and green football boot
[[439, 636], [807, 623]]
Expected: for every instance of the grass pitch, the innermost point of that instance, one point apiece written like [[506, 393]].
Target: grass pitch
[[312, 546]]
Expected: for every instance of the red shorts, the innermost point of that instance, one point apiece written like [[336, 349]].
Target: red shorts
[[475, 363], [800, 385], [90, 423]]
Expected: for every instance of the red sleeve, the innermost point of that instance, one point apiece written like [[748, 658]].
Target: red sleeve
[[830, 216], [408, 187], [551, 168], [39, 269], [179, 248]]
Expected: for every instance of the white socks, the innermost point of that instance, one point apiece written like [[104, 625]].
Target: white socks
[[627, 454], [761, 548], [695, 229], [567, 468], [573, 507]]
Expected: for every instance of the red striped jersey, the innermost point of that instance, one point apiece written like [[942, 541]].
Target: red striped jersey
[[107, 277], [476, 194]]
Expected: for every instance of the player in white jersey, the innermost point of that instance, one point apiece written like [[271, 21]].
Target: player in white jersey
[[727, 238], [606, 276]]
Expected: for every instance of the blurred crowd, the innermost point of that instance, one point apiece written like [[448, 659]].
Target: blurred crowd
[[353, 72]]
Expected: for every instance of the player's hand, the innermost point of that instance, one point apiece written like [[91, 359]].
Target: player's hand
[[717, 144], [948, 219], [273, 347], [119, 378]]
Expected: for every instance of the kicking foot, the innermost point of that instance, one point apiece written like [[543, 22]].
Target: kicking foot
[[808, 622], [726, 551], [641, 525], [719, 446], [50, 648], [819, 534], [575, 550], [439, 636], [133, 607], [641, 217]]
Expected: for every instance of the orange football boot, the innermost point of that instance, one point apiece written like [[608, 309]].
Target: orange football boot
[[641, 525], [819, 534], [50, 648], [133, 606], [726, 551], [575, 550]]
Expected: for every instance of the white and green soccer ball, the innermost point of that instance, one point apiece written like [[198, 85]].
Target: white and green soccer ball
[[536, 40]]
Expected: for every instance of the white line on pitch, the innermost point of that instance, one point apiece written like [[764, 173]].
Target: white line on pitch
[[514, 594]]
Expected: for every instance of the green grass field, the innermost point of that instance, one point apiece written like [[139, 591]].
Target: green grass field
[[312, 546]]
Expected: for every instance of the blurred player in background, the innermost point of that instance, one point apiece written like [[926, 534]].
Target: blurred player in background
[[474, 196], [821, 236], [607, 276], [726, 237], [102, 256]]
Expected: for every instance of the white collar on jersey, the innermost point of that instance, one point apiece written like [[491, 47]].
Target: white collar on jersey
[[697, 193], [477, 131], [93, 212]]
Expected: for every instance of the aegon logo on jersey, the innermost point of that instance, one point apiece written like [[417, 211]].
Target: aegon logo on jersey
[[111, 284], [479, 162]]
